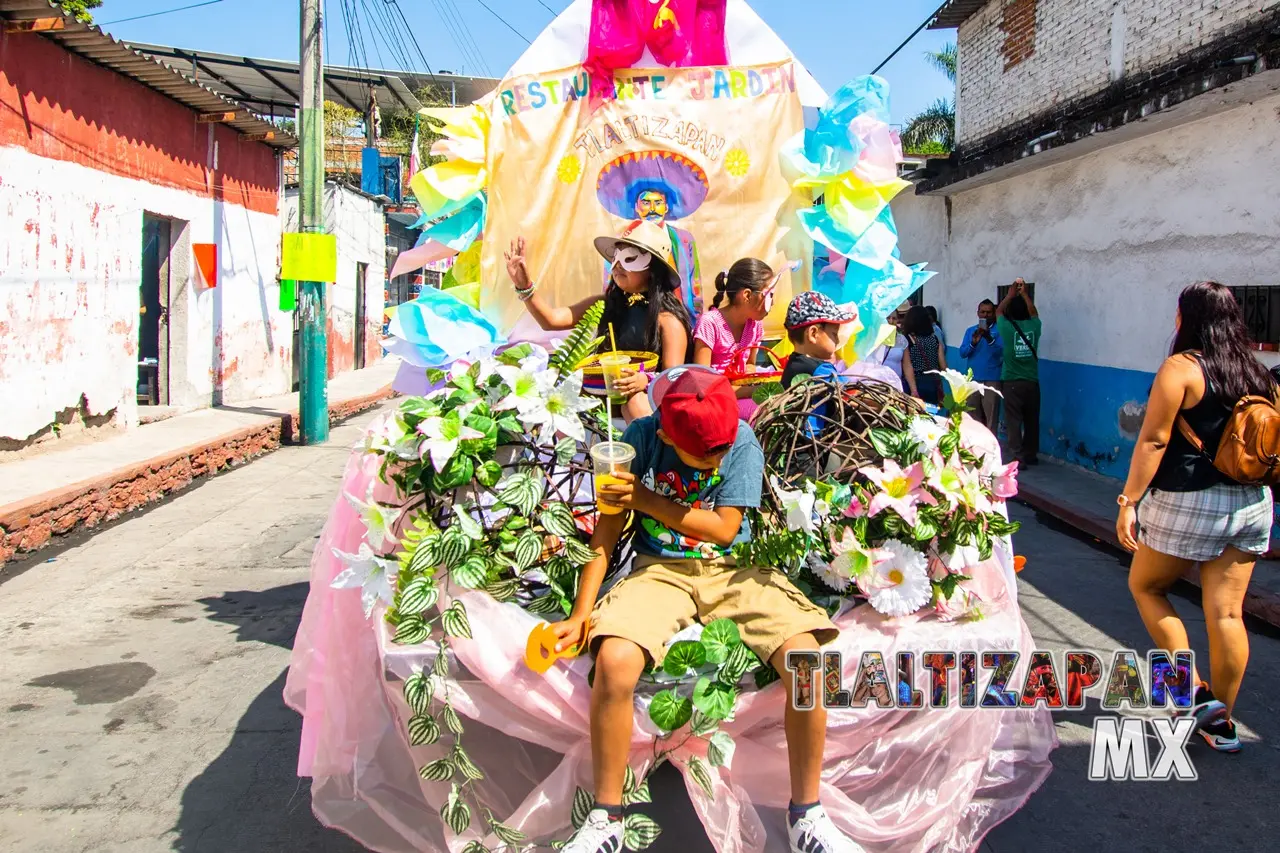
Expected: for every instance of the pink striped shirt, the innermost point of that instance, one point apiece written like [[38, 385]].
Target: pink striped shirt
[[713, 330]]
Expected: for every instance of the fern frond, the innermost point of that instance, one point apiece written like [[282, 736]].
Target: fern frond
[[580, 343]]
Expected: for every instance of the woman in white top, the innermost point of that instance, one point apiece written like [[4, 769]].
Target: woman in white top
[[891, 356]]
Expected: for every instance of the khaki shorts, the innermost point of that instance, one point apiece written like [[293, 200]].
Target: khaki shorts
[[664, 596]]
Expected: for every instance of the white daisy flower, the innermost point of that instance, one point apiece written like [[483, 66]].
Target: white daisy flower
[[898, 583], [927, 432]]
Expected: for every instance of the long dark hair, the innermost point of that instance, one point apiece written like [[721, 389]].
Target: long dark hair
[[1213, 325], [918, 322], [660, 298], [746, 274]]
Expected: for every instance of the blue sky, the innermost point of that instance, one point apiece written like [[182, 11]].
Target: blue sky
[[836, 39]]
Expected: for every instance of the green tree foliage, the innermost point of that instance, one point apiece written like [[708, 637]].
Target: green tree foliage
[[934, 130], [397, 125], [80, 9]]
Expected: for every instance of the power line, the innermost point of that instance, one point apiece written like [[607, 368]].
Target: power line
[[413, 37], [915, 33], [505, 22], [548, 8], [476, 52], [467, 52], [158, 14]]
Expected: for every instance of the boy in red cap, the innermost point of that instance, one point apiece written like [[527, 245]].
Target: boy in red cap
[[697, 469]]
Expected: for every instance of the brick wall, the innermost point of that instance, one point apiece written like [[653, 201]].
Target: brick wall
[[1020, 58]]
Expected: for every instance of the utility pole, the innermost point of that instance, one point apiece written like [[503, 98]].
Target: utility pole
[[313, 404]]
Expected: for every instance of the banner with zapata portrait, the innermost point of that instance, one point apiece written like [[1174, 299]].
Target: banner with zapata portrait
[[693, 149]]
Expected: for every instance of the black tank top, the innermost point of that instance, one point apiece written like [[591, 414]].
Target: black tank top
[[1183, 468], [632, 331]]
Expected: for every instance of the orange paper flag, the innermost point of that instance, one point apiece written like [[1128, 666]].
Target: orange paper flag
[[206, 263]]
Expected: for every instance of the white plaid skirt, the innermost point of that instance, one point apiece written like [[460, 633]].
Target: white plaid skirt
[[1201, 525]]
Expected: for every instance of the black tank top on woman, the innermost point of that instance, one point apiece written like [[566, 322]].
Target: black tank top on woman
[[1183, 468], [632, 332]]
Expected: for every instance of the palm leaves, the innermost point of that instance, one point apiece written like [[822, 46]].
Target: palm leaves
[[936, 126]]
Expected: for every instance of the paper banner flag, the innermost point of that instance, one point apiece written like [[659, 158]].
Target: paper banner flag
[[433, 204], [419, 256], [309, 257], [206, 255], [288, 294], [466, 267]]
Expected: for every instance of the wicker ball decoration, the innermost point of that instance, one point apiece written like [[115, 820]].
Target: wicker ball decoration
[[842, 443]]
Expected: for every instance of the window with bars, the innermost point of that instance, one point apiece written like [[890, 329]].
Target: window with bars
[[1261, 306]]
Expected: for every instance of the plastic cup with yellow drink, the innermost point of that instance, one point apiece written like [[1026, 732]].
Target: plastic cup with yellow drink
[[610, 458], [611, 366]]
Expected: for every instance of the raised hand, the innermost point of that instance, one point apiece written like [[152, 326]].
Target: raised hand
[[516, 267]]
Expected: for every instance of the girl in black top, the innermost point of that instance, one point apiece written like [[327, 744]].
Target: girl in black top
[[925, 353], [640, 303], [1193, 513]]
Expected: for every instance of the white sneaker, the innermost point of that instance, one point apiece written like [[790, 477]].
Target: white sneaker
[[815, 833], [598, 834]]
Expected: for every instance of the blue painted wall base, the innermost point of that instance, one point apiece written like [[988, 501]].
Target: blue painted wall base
[[1080, 412]]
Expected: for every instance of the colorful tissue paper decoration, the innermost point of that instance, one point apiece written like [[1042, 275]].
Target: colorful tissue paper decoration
[[849, 159], [678, 33], [451, 194], [438, 328]]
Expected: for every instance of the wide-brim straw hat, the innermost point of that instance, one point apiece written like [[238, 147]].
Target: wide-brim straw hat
[[643, 234]]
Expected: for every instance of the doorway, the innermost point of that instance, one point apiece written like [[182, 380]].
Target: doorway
[[153, 313], [362, 272]]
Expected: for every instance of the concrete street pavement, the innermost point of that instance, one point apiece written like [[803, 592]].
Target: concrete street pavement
[[140, 707]]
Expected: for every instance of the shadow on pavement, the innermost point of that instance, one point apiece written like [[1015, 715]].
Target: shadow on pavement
[[249, 799]]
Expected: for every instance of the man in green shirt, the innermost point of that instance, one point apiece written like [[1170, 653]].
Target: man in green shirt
[[1019, 325]]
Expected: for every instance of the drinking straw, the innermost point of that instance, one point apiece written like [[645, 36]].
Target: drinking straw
[[612, 340]]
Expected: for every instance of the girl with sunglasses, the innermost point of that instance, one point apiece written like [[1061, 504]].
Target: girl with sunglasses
[[744, 297], [640, 303]]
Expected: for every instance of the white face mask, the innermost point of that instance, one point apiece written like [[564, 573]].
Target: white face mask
[[631, 259]]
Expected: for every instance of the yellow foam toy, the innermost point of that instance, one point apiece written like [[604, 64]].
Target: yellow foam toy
[[540, 651]]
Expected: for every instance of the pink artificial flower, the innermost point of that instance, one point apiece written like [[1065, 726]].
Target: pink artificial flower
[[937, 570], [901, 490], [855, 509], [961, 604], [1004, 483]]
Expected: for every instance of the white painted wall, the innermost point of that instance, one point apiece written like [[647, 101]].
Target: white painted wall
[[71, 243], [360, 224], [1112, 237], [1079, 46]]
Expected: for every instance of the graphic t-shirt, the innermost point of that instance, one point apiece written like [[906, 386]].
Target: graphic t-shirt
[[737, 483], [1019, 361]]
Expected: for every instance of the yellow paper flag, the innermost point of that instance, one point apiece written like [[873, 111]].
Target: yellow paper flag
[[309, 257], [854, 204]]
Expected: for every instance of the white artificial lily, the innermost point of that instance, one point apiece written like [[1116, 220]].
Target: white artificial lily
[[852, 559], [442, 438], [798, 505], [378, 519], [382, 435], [560, 413], [963, 385], [367, 572], [528, 385], [927, 432]]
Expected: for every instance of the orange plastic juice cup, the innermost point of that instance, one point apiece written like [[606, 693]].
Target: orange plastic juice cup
[[609, 459]]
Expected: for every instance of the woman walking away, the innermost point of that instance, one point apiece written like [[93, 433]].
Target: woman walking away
[[1193, 512], [924, 355]]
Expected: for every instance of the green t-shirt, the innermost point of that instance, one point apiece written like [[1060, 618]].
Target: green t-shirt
[[1019, 361]]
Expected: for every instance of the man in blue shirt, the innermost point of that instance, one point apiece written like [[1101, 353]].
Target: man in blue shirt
[[983, 349]]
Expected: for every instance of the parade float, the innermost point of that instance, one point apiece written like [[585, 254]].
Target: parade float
[[434, 718]]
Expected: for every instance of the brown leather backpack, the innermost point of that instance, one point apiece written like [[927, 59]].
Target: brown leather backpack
[[1249, 451]]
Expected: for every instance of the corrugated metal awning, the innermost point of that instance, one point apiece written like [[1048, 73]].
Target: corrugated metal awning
[[272, 85], [93, 44], [953, 13]]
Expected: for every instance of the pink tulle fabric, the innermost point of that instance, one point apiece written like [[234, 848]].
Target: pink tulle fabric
[[677, 33], [894, 780]]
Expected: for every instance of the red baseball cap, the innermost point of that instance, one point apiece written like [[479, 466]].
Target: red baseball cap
[[697, 408]]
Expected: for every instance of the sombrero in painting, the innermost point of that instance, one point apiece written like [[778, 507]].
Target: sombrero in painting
[[646, 236], [624, 180]]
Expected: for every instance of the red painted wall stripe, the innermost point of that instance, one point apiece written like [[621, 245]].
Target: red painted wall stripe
[[58, 105]]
